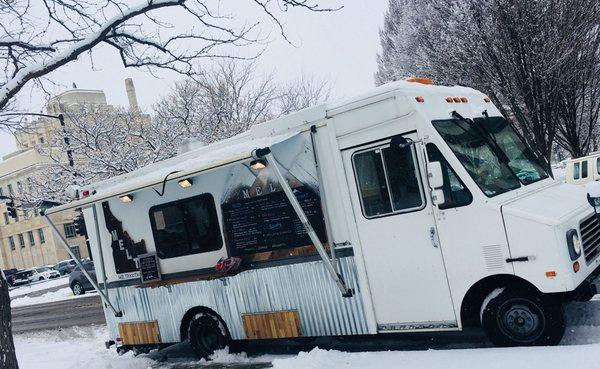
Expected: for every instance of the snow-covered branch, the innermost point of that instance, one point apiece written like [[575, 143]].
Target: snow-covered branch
[[38, 38]]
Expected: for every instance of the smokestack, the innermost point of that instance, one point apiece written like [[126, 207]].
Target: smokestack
[[131, 96]]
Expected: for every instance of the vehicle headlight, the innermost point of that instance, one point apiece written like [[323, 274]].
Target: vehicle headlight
[[574, 244]]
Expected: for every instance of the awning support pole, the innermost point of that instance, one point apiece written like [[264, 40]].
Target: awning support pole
[[346, 292], [65, 245]]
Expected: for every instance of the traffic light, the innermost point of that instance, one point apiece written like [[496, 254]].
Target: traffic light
[[12, 211], [79, 223]]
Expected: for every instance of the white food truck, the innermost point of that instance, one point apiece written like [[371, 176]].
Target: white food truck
[[412, 208]]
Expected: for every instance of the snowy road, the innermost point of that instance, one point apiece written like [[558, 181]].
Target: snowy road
[[82, 347], [60, 314]]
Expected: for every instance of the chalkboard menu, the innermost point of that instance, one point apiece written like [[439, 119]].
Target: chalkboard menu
[[149, 270], [268, 222]]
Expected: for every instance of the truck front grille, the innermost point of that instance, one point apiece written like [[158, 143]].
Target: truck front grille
[[590, 238]]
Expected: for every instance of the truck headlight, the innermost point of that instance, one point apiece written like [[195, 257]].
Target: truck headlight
[[574, 244]]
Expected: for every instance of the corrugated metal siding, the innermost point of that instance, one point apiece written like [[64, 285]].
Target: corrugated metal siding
[[305, 287]]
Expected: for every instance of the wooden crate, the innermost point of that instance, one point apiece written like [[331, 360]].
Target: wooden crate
[[276, 324], [139, 333]]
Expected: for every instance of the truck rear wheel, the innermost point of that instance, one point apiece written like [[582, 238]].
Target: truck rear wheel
[[522, 317], [207, 333]]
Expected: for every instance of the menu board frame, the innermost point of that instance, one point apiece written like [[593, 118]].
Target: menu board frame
[[156, 268], [268, 222]]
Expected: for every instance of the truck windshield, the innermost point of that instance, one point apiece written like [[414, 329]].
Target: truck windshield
[[492, 174], [523, 161]]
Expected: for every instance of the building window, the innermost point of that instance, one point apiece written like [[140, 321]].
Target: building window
[[584, 169], [31, 239], [388, 181], [70, 230], [11, 242], [75, 250], [10, 190], [6, 218], [1, 192], [21, 240], [41, 236], [186, 227], [576, 171]]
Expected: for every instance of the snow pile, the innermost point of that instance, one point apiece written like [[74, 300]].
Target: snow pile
[[39, 286], [72, 348], [60, 295]]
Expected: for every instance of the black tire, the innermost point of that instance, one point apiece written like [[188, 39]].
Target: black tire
[[523, 317], [77, 288], [208, 333]]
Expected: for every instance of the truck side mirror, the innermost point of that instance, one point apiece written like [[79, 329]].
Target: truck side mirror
[[401, 144], [435, 175]]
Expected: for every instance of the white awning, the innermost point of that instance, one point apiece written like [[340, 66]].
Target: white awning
[[181, 166]]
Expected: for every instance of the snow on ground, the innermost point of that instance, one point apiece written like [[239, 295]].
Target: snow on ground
[[83, 347], [490, 358], [60, 295], [39, 286], [72, 348]]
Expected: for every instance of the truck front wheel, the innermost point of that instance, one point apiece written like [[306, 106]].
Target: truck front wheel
[[207, 334], [522, 317]]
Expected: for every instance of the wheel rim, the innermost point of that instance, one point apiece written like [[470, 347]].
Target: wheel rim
[[77, 289], [210, 338], [521, 320]]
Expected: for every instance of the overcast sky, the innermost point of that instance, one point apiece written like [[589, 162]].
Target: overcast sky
[[340, 46]]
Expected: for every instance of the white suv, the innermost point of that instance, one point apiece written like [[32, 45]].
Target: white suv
[[46, 273]]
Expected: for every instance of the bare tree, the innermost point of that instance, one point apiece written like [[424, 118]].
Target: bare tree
[[224, 101], [579, 104], [96, 143], [231, 97], [302, 93], [522, 53]]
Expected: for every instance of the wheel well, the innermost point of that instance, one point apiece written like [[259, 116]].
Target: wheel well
[[190, 314], [471, 304]]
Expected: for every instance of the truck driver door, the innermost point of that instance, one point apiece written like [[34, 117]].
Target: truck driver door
[[397, 231]]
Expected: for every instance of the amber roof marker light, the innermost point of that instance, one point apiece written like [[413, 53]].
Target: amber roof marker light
[[421, 80]]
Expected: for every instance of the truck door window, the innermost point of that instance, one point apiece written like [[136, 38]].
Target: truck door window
[[455, 192], [584, 169], [388, 181], [186, 227]]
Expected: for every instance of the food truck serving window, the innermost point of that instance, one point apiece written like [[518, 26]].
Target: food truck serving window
[[186, 227]]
